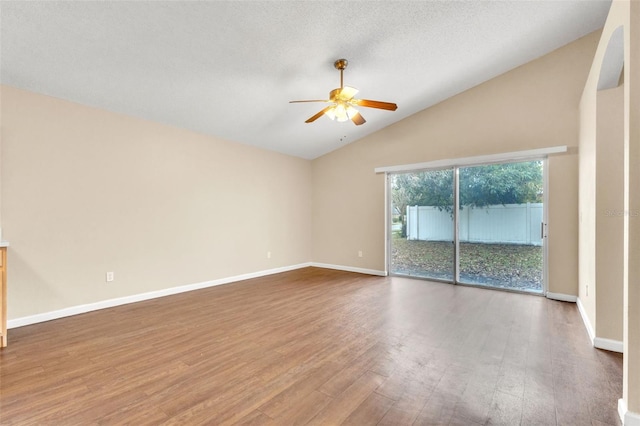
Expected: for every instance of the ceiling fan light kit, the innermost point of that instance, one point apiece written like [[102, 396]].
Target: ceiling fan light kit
[[343, 104]]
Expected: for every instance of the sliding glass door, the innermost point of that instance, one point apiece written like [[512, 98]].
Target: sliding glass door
[[422, 230], [501, 222], [479, 225]]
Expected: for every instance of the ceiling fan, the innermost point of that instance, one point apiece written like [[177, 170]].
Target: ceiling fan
[[342, 101]]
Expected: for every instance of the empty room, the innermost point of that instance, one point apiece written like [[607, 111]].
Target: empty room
[[320, 212]]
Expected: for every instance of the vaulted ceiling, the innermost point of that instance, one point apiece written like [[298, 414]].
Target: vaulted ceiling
[[229, 68]]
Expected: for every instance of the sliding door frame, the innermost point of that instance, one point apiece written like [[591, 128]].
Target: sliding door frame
[[456, 225], [503, 159]]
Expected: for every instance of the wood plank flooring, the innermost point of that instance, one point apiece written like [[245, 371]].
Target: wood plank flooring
[[315, 347]]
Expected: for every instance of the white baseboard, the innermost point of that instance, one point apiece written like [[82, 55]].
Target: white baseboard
[[562, 297], [598, 342], [587, 323], [608, 344], [627, 417], [81, 309], [350, 269]]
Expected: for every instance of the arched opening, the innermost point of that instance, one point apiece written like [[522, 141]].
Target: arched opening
[[613, 61], [609, 197]]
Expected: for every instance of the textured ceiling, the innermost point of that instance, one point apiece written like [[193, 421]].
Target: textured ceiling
[[228, 69]]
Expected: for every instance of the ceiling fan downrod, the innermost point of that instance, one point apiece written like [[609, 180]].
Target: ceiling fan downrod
[[341, 64]]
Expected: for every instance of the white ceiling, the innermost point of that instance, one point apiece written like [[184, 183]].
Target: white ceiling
[[229, 68]]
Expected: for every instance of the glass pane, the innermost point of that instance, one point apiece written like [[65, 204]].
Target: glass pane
[[422, 224], [500, 219]]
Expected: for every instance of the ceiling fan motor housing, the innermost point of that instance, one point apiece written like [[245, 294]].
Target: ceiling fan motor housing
[[341, 64]]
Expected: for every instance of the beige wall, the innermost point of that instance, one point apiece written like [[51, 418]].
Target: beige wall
[[587, 208], [601, 200], [87, 191], [533, 106], [609, 207], [1, 238]]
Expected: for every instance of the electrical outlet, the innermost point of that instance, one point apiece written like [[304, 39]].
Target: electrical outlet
[[268, 255], [110, 277], [359, 253], [587, 289]]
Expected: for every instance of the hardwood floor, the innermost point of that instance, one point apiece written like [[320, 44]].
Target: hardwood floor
[[314, 346]]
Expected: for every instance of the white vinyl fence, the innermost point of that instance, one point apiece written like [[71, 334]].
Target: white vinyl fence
[[509, 223]]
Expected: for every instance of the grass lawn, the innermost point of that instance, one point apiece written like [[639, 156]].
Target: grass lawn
[[499, 265]]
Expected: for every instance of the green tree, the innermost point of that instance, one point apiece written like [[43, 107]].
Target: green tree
[[434, 188], [512, 183], [493, 184]]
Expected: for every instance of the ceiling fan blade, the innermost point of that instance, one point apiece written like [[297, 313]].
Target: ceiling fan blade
[[358, 119], [347, 93], [314, 100], [375, 104], [318, 115]]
